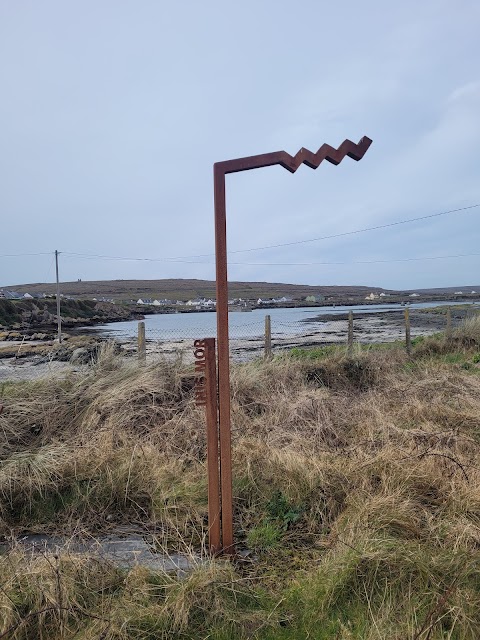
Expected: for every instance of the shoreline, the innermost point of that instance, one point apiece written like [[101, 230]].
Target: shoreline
[[110, 314], [29, 360]]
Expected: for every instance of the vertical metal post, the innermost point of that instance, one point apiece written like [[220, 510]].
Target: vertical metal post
[[223, 359], [268, 337], [350, 334], [211, 412], [449, 323], [142, 347], [59, 317], [220, 169], [408, 341]]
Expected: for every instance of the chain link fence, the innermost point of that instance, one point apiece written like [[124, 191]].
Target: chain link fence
[[246, 341], [253, 339], [29, 359]]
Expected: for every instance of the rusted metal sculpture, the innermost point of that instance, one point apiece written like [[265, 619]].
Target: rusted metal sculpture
[[220, 170], [206, 396]]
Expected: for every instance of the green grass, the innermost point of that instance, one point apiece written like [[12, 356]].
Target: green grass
[[356, 494], [443, 309], [324, 352]]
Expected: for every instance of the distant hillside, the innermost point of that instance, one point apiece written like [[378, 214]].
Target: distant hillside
[[442, 290], [179, 289]]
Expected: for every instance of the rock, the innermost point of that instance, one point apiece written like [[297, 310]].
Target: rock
[[124, 552], [38, 336], [62, 354], [80, 356]]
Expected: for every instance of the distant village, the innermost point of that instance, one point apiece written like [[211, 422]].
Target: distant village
[[375, 296], [204, 304], [199, 303]]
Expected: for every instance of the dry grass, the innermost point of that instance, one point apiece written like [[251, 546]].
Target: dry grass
[[355, 481], [71, 596]]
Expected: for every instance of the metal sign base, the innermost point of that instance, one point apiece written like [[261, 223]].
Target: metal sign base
[[206, 395]]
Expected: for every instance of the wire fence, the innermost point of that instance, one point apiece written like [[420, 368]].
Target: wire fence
[[32, 359], [246, 340], [253, 340]]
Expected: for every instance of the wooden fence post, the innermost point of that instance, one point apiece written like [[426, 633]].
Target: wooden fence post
[[142, 348], [268, 337], [350, 334], [449, 323], [408, 341]]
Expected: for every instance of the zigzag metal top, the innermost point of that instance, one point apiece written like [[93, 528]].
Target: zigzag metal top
[[304, 156]]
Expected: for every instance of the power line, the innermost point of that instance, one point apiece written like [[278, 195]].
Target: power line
[[350, 233], [21, 255], [275, 246], [185, 259], [124, 258], [306, 264], [310, 264]]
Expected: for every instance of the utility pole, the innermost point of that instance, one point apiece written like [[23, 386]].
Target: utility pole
[[59, 318]]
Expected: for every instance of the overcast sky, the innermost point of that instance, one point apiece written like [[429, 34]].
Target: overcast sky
[[113, 112]]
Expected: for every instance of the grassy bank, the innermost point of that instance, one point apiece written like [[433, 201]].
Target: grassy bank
[[28, 314], [356, 484]]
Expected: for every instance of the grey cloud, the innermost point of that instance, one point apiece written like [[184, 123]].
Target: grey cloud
[[103, 102]]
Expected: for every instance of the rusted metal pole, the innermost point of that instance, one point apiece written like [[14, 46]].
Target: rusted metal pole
[[224, 425], [220, 170], [350, 334], [206, 396], [211, 412], [408, 341], [268, 337], [59, 315]]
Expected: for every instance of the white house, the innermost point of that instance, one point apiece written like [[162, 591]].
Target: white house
[[140, 301]]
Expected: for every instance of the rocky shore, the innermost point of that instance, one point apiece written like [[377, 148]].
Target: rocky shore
[[35, 355], [375, 325], [37, 320], [35, 359]]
